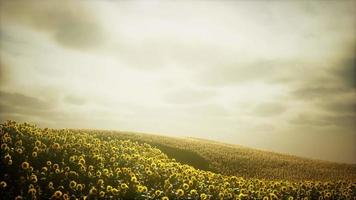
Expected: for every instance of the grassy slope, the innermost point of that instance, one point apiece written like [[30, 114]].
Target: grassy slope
[[69, 164], [242, 161]]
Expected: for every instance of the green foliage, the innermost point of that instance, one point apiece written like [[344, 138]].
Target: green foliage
[[63, 164]]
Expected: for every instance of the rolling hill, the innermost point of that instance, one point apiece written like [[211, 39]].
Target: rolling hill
[[242, 161], [91, 164]]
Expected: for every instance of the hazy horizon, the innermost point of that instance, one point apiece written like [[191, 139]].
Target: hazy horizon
[[278, 76]]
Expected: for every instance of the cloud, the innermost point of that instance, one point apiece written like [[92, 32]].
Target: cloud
[[69, 23], [344, 121], [336, 80], [4, 72], [75, 100], [208, 110], [269, 109], [22, 107], [189, 96], [21, 100], [310, 92], [237, 72], [339, 106], [25, 108], [346, 72]]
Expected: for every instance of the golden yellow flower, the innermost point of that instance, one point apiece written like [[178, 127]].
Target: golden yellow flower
[[134, 179], [98, 173], [100, 182], [193, 192], [38, 143], [18, 197], [108, 188], [102, 194], [33, 178], [57, 194], [221, 195], [203, 196], [19, 151], [55, 146], [93, 191], [79, 187], [3, 184], [32, 191], [7, 157], [55, 166], [25, 165], [65, 196], [35, 149], [72, 184], [115, 191], [158, 192], [124, 186], [50, 184], [81, 161], [185, 186], [3, 146], [180, 192]]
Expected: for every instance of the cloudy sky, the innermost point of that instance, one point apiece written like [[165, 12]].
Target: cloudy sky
[[276, 75]]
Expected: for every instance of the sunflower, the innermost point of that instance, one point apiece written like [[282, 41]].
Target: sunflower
[[79, 187], [180, 192], [124, 186], [25, 165], [19, 150], [115, 191], [221, 195], [133, 179], [38, 143], [203, 196], [100, 182], [108, 188], [3, 184], [4, 146], [56, 146], [72, 184], [185, 186], [55, 166], [193, 192], [18, 197], [33, 178], [50, 185], [158, 192], [57, 194], [93, 191], [32, 191]]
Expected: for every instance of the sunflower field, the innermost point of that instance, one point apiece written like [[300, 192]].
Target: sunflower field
[[46, 163]]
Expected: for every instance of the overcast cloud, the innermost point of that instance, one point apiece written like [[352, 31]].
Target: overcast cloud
[[272, 75]]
